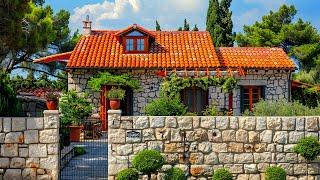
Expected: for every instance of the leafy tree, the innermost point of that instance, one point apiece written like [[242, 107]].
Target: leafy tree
[[219, 22], [299, 39], [195, 28], [180, 29], [158, 28], [186, 26]]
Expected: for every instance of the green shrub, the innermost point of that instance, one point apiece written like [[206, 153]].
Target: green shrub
[[222, 174], [74, 108], [116, 93], [275, 173], [128, 174], [175, 174], [211, 110], [282, 108], [164, 106], [148, 161], [308, 147], [79, 150]]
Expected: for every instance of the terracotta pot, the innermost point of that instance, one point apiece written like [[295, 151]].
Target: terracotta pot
[[114, 104], [52, 104], [75, 132]]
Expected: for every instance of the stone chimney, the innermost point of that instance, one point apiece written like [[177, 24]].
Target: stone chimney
[[87, 26]]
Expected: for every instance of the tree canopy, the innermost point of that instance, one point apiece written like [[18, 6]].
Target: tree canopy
[[219, 22], [299, 39]]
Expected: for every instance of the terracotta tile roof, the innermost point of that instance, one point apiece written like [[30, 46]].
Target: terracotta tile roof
[[135, 27], [175, 49], [63, 57], [254, 57]]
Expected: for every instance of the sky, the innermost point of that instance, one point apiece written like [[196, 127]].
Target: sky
[[118, 14]]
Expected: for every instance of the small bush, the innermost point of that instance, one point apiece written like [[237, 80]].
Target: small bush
[[148, 161], [282, 108], [165, 106], [275, 173], [308, 147], [222, 174], [175, 174], [211, 110], [128, 174], [79, 151], [116, 93]]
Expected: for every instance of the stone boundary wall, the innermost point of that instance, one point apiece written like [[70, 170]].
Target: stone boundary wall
[[30, 147], [244, 145]]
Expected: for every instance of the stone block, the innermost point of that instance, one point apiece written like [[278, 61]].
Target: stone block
[[234, 168], [243, 158], [205, 147], [312, 124], [17, 162], [274, 123], [113, 169], [200, 170], [51, 119], [157, 122], [198, 135], [281, 137], [173, 147], [228, 135], [6, 124], [156, 145], [211, 159], [214, 135], [233, 122], [38, 150], [207, 122], [266, 136], [53, 149], [49, 136], [300, 121], [235, 147], [260, 147], [262, 167], [50, 162], [185, 123], [29, 174], [162, 134], [288, 123], [18, 124], [140, 122], [14, 137], [250, 168], [242, 136], [300, 169], [196, 121], [31, 136], [139, 147], [9, 150], [253, 137], [247, 123], [291, 157], [4, 163], [171, 122], [226, 158], [196, 158], [295, 136], [12, 174], [261, 123], [2, 137], [265, 157], [176, 135], [222, 122], [116, 136], [148, 135], [172, 158], [35, 123]]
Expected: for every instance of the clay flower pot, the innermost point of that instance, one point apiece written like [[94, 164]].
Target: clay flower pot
[[75, 132], [115, 104], [52, 104]]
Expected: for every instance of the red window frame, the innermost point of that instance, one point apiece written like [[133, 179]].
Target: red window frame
[[193, 106], [250, 96], [135, 44]]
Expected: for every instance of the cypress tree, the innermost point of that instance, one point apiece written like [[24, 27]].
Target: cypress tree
[[186, 26], [158, 28], [195, 28]]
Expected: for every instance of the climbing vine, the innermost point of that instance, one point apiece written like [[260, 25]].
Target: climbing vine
[[173, 84]]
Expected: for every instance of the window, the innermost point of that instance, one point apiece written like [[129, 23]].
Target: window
[[195, 98], [251, 95], [129, 44], [140, 44]]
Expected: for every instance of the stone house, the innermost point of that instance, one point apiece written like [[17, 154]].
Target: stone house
[[263, 73]]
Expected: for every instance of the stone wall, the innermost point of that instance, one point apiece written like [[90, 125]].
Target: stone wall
[[244, 145], [30, 147], [276, 87], [32, 106]]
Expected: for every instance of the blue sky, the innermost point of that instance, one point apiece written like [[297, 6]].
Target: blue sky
[[118, 14]]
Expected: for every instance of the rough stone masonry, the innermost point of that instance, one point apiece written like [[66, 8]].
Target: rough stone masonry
[[244, 145], [30, 147]]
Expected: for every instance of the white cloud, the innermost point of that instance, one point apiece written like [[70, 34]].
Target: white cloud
[[121, 13], [247, 18], [270, 4]]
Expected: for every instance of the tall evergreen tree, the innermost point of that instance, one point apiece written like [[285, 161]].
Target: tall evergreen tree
[[186, 26], [158, 28], [195, 28], [219, 22]]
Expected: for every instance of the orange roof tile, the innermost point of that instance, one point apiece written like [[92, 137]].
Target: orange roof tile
[[63, 57], [176, 49], [254, 57]]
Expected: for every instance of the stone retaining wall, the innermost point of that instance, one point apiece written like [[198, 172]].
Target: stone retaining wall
[[244, 145], [30, 147]]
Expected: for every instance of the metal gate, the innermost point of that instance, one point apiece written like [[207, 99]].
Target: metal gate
[[93, 164]]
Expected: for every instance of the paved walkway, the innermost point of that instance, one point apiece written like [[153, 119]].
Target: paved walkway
[[92, 165]]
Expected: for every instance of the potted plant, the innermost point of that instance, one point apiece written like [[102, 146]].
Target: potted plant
[[52, 100], [115, 95], [74, 109]]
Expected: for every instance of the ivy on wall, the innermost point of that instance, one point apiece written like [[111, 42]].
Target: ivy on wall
[[173, 84]]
